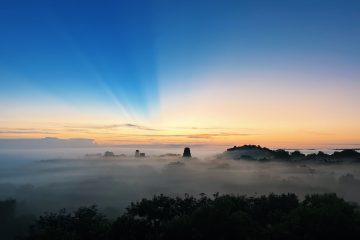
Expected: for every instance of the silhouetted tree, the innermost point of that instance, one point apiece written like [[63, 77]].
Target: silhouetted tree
[[84, 224], [323, 217], [7, 216], [281, 154], [218, 217], [12, 225]]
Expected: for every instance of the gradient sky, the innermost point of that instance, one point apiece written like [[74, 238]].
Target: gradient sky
[[276, 73]]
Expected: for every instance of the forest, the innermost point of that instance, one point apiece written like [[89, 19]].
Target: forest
[[273, 216]]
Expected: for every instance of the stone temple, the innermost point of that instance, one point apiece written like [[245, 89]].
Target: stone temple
[[187, 152], [137, 153]]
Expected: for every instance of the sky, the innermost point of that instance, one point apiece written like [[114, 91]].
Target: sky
[[218, 72]]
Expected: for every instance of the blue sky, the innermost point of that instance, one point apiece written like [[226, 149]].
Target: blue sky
[[132, 53]]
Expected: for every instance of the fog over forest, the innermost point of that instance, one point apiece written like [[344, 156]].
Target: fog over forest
[[46, 180]]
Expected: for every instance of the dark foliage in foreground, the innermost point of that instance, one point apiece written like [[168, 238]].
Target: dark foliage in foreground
[[85, 223], [12, 224], [220, 217]]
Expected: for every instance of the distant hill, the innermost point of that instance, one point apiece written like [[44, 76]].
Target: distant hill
[[256, 152]]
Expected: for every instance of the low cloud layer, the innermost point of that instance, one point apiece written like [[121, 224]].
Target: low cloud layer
[[125, 133], [48, 142], [114, 126], [70, 182]]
